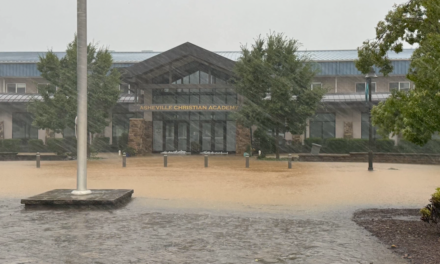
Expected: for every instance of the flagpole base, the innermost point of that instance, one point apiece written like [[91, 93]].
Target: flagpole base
[[77, 192]]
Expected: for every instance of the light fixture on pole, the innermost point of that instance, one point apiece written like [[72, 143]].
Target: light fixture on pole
[[371, 74], [82, 99]]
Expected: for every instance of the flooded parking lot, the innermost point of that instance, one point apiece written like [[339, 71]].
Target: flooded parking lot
[[139, 233], [222, 214]]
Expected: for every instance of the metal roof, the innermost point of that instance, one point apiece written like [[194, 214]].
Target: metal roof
[[133, 57], [354, 97], [26, 98], [130, 98]]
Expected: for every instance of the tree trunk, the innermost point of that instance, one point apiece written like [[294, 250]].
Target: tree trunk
[[277, 148]]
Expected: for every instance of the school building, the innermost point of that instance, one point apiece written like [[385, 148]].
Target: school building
[[180, 99]]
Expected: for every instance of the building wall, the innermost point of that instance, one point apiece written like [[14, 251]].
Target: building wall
[[347, 84], [31, 83]]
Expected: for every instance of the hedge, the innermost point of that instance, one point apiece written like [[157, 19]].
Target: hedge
[[433, 146], [10, 145], [36, 145], [101, 144], [62, 146]]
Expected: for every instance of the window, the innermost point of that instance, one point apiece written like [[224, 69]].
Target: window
[[120, 126], [399, 86], [323, 126], [22, 126], [19, 88], [360, 87], [365, 128], [316, 86], [124, 88]]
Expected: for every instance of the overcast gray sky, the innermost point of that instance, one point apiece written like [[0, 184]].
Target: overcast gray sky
[[217, 25]]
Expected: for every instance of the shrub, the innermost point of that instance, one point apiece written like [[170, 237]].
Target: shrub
[[433, 146], [336, 145], [10, 145], [358, 145], [36, 145], [384, 145], [129, 151], [101, 144], [431, 212], [56, 145], [265, 142], [122, 141]]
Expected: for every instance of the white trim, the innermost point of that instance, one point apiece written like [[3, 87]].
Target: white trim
[[129, 92], [398, 85], [16, 87]]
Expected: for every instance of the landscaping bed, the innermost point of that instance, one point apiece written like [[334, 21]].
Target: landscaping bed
[[402, 231]]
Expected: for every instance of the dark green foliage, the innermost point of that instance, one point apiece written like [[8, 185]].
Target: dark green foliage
[[58, 108], [264, 142], [384, 145], [273, 67], [123, 145], [36, 145], [56, 145], [345, 146], [62, 146], [195, 147], [358, 145], [414, 114], [122, 141], [10, 145], [432, 147], [431, 212], [101, 144], [336, 145], [129, 151]]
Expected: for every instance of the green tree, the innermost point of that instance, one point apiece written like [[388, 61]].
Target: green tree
[[58, 108], [414, 114], [275, 82]]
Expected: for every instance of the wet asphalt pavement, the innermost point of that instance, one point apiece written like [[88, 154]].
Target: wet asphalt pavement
[[139, 233]]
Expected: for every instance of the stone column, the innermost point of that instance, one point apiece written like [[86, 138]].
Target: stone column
[[140, 136], [243, 139]]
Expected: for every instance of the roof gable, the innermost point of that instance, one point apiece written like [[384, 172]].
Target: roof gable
[[185, 50]]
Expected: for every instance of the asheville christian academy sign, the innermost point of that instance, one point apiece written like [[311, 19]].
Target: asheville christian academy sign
[[174, 107]]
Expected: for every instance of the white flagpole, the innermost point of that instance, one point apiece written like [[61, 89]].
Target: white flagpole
[[82, 99]]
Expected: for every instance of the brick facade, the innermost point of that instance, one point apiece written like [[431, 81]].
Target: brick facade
[[140, 136], [243, 139]]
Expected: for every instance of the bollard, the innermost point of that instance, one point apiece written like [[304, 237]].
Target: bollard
[[206, 161], [247, 162], [119, 153], [290, 161], [124, 160], [165, 160], [38, 159]]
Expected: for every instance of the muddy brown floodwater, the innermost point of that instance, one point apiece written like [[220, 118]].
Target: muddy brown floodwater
[[222, 214]]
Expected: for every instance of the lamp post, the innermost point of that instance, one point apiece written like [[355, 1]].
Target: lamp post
[[371, 74]]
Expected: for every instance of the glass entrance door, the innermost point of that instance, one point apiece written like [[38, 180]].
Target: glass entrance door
[[182, 136], [176, 136], [169, 137], [206, 136]]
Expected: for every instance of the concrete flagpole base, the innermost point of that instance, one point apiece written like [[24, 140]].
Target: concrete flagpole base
[[77, 192]]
